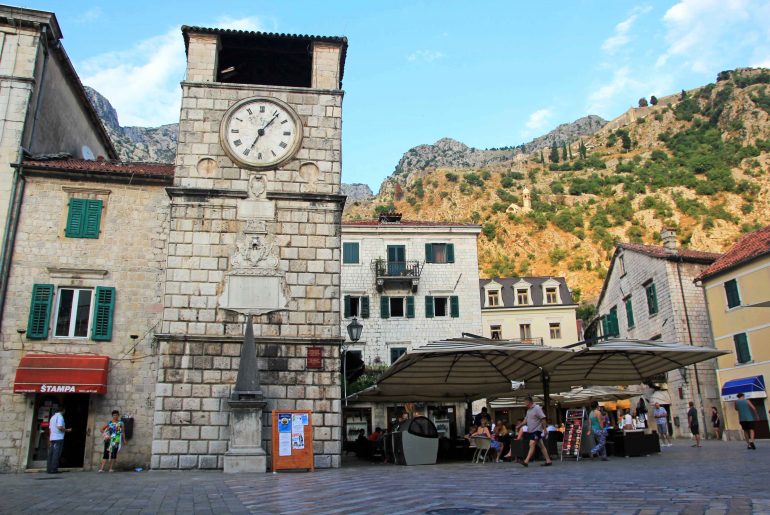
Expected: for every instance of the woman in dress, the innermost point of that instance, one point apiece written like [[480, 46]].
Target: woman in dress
[[113, 440], [716, 424]]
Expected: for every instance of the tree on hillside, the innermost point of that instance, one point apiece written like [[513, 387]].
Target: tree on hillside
[[683, 95], [654, 100], [554, 155], [563, 151], [626, 140], [643, 102], [542, 157], [582, 150], [569, 149]]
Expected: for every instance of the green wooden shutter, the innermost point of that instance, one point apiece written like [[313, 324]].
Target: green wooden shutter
[[429, 253], [384, 307], [347, 306], [75, 218], [410, 307], [104, 309], [450, 253], [605, 328], [733, 296], [40, 311], [615, 326], [454, 302], [629, 313], [742, 348], [92, 219], [428, 306], [652, 299], [364, 307]]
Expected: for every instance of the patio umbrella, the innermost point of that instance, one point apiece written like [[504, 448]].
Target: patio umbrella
[[464, 369], [575, 397], [624, 362]]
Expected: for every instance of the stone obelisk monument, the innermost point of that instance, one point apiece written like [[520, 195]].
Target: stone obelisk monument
[[245, 453]]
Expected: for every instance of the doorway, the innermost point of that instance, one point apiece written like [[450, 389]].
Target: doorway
[[75, 417], [761, 429], [396, 260]]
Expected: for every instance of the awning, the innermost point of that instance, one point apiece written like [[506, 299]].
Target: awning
[[752, 387], [61, 373]]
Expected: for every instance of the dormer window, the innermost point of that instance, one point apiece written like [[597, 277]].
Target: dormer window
[[493, 298], [522, 296], [551, 296]]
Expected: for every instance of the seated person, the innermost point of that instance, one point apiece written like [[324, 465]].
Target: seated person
[[484, 431], [364, 447], [627, 421], [376, 435], [502, 435], [470, 434]]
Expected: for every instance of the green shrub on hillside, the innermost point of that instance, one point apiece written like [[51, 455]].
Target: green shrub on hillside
[[473, 179], [490, 230], [451, 177], [556, 255], [686, 109], [503, 266]]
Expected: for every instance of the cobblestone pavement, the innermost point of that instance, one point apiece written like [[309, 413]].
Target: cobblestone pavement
[[721, 477]]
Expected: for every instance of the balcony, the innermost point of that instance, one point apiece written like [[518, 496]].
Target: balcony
[[397, 273]]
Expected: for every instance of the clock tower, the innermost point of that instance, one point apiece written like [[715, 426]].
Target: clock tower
[[254, 232]]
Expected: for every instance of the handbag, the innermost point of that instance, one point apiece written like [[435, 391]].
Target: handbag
[[106, 435]]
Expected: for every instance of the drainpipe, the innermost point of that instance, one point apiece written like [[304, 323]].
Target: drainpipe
[[17, 188], [689, 336]]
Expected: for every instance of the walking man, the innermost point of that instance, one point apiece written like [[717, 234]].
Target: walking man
[[692, 421], [748, 415], [536, 426], [56, 441], [661, 420]]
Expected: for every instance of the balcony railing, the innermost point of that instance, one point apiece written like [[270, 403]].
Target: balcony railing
[[397, 272]]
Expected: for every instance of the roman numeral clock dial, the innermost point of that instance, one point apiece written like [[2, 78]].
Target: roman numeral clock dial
[[261, 133]]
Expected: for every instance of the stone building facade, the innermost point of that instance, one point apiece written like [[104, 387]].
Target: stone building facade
[[130, 262], [408, 283], [251, 239], [649, 294]]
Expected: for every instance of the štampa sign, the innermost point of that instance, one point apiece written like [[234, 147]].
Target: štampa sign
[[56, 388]]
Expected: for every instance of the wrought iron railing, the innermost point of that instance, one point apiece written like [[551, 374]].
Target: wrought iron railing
[[397, 269]]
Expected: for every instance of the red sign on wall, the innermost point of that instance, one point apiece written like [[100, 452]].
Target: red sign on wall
[[314, 357]]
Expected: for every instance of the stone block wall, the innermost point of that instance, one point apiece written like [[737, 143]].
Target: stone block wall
[[202, 53], [128, 255]]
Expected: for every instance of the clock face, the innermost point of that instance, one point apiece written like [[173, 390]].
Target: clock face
[[261, 133]]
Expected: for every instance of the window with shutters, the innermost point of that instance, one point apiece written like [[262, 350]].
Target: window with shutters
[[397, 307], [733, 295], [554, 329], [395, 353], [356, 306], [652, 298], [439, 253], [350, 255], [83, 218], [493, 298], [496, 332], [742, 352], [436, 306], [629, 312]]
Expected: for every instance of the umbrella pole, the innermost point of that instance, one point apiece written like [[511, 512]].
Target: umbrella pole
[[546, 392]]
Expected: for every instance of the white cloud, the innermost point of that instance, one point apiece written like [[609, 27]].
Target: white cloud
[[427, 56], [626, 87], [621, 37], [142, 82], [696, 30], [90, 15], [539, 119]]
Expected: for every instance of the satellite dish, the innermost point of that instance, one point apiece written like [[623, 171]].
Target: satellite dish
[[87, 153]]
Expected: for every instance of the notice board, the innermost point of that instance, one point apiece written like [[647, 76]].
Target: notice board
[[573, 434], [292, 447]]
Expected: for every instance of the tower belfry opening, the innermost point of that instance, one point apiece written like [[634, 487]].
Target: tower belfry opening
[[271, 62]]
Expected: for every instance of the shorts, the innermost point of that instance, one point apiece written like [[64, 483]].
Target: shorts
[[695, 430], [110, 453], [663, 428], [747, 425], [535, 435]]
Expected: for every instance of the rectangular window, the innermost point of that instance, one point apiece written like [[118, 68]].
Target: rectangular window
[[350, 252], [733, 295], [522, 297], [493, 298], [83, 218], [525, 331], [356, 306], [497, 332], [441, 306], [397, 307], [652, 298], [629, 312], [395, 353], [621, 266], [551, 296], [439, 253], [742, 352], [73, 313], [555, 329]]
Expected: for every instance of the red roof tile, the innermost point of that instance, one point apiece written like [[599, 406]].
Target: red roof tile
[[406, 223], [750, 246], [660, 252], [81, 165]]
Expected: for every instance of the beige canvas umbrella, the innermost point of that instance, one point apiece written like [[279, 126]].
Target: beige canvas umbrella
[[576, 397], [464, 369]]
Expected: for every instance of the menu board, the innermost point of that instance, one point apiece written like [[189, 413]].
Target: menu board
[[573, 434]]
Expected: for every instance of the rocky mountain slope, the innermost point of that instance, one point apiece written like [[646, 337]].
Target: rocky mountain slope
[[356, 191], [697, 161]]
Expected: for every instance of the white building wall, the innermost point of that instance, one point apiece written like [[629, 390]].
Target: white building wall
[[539, 319]]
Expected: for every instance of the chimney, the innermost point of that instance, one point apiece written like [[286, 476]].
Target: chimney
[[668, 235]]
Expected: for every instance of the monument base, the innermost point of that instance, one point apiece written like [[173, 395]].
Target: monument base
[[238, 461]]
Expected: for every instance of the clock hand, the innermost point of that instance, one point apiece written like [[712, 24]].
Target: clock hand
[[268, 123], [261, 132]]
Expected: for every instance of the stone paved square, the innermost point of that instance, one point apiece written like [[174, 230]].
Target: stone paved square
[[721, 477]]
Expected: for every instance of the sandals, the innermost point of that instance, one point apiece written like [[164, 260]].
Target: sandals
[[547, 464]]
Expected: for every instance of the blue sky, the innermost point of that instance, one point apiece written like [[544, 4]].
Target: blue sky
[[489, 74]]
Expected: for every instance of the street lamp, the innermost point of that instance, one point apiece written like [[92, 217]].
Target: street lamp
[[354, 332]]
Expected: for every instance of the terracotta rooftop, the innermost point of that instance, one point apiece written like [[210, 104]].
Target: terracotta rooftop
[[694, 256], [405, 223], [749, 247], [163, 170]]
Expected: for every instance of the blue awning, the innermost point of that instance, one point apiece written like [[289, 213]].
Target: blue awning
[[752, 387]]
